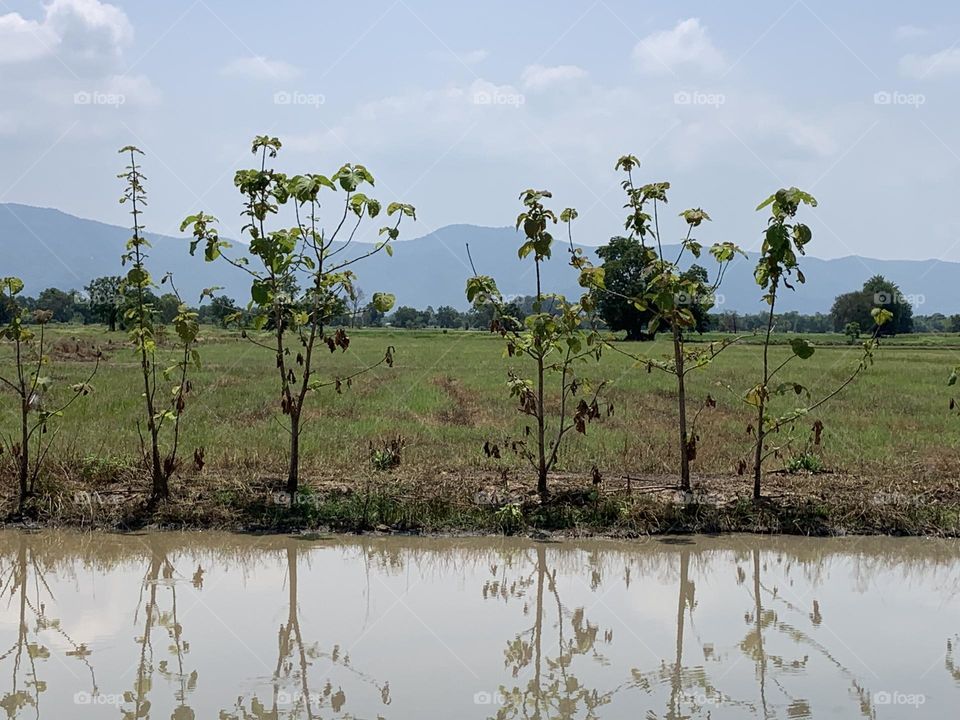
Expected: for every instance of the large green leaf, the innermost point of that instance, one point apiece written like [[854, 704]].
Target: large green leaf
[[802, 348]]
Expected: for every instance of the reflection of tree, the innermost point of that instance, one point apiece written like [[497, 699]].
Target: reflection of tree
[[28, 648], [291, 693], [953, 667], [161, 573], [553, 691], [690, 687], [774, 668]]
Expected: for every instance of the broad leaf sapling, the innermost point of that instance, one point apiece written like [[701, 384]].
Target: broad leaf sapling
[[31, 386], [288, 326], [556, 337], [141, 319], [671, 294], [784, 240]]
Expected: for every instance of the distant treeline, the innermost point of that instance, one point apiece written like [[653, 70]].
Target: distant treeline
[[101, 301]]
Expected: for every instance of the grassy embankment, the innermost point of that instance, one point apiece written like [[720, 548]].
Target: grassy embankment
[[889, 460]]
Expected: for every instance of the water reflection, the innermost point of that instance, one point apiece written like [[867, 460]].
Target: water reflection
[[241, 628], [26, 587], [160, 614]]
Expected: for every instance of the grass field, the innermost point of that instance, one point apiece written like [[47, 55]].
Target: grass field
[[446, 396]]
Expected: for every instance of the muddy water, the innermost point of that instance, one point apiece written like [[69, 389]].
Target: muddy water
[[222, 626]]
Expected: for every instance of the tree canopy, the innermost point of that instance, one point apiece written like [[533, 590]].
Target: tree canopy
[[855, 307]]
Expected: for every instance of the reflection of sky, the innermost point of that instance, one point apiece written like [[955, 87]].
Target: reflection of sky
[[413, 614]]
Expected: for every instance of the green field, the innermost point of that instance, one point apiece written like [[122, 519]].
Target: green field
[[446, 396]]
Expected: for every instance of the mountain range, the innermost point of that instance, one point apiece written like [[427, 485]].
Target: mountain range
[[49, 248]]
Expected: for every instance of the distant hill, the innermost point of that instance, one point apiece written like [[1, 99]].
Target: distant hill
[[49, 248]]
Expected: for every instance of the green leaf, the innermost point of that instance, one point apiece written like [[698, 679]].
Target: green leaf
[[802, 348], [13, 285], [384, 302], [260, 292], [881, 316]]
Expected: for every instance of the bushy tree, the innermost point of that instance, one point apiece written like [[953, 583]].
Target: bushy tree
[[105, 300], [220, 309], [857, 307], [448, 317], [626, 264], [60, 304]]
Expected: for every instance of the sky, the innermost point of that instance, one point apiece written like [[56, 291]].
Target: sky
[[458, 107]]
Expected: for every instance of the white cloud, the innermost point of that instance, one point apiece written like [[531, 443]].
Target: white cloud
[[73, 29], [261, 68], [22, 40], [943, 63], [685, 46], [89, 29], [538, 77]]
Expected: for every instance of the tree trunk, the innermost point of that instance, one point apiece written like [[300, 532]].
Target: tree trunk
[[682, 408], [758, 455], [541, 436], [762, 400], [161, 489], [23, 469], [293, 472]]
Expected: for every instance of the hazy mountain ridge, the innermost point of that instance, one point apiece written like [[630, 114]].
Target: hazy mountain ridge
[[49, 248]]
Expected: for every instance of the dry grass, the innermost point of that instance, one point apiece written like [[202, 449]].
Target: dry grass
[[890, 436]]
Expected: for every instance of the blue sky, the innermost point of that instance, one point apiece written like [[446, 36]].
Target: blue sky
[[457, 107]]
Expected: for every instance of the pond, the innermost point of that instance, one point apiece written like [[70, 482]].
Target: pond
[[207, 626]]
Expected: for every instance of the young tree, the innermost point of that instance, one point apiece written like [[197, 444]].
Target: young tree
[[31, 386], [140, 317], [674, 298], [554, 340], [304, 250], [785, 239]]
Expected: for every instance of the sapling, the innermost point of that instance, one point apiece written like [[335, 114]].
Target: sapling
[[785, 239], [556, 337], [307, 251], [671, 294], [141, 319], [31, 386]]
